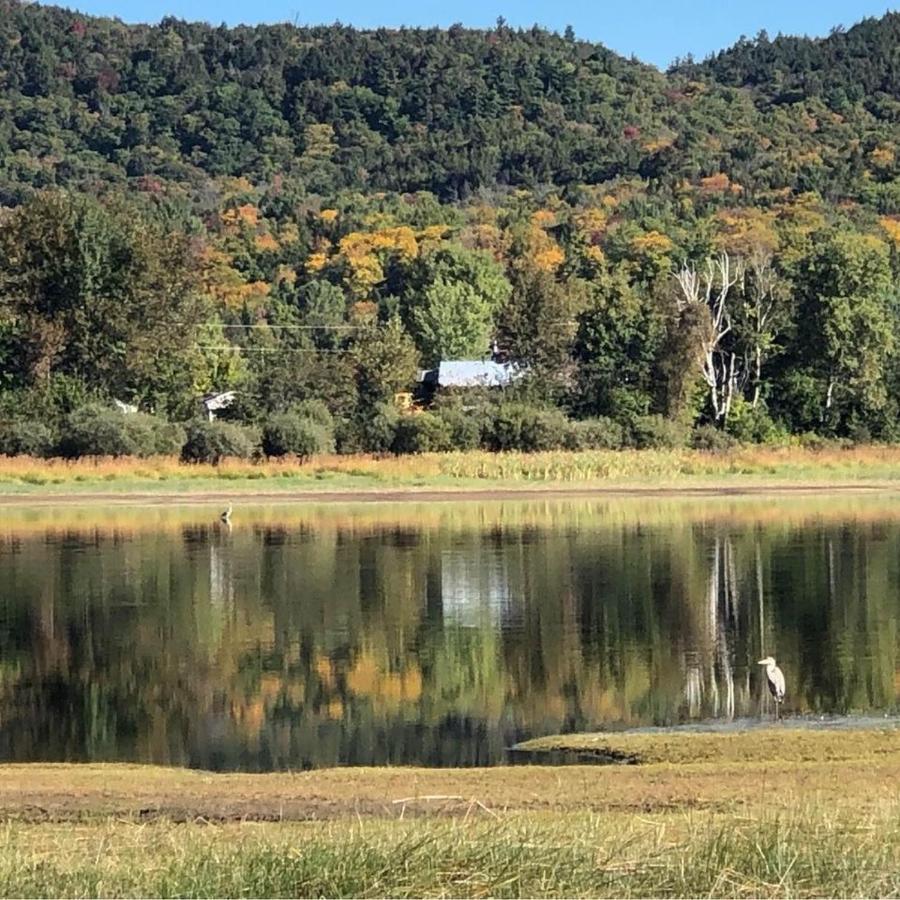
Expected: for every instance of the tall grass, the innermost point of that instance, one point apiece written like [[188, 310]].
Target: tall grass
[[475, 468], [813, 851]]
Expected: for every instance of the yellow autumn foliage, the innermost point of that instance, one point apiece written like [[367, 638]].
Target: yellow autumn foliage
[[802, 213], [592, 222], [657, 144], [541, 250], [432, 235], [596, 255], [719, 183], [739, 231], [315, 262], [810, 158], [543, 218], [364, 251], [247, 214], [548, 259], [891, 226], [882, 157], [289, 233], [651, 243], [483, 236], [221, 281], [286, 275], [266, 243], [364, 272]]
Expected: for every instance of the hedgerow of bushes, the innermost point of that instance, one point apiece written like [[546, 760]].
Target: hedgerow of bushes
[[308, 429]]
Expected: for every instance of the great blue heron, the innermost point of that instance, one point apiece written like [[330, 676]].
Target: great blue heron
[[775, 678], [226, 515]]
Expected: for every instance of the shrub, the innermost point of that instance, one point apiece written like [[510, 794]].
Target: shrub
[[809, 440], [466, 420], [97, 430], [657, 432], [712, 439], [293, 433], [422, 433], [545, 429], [601, 433], [515, 426], [503, 428], [25, 437], [212, 441], [316, 411], [752, 424], [371, 432]]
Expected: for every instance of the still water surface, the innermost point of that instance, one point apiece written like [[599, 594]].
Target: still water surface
[[436, 634]]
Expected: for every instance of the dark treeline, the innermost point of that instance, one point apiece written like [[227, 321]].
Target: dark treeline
[[308, 217]]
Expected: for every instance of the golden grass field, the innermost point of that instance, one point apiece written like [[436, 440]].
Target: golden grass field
[[760, 466], [775, 812]]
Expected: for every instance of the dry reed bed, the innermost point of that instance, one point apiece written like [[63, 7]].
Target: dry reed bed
[[558, 467]]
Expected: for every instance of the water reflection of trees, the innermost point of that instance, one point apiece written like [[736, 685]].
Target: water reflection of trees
[[275, 646]]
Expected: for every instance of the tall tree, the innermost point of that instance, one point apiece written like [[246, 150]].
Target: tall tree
[[847, 330], [704, 293], [101, 294], [451, 301]]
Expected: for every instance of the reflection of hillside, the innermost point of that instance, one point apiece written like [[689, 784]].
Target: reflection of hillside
[[299, 644]]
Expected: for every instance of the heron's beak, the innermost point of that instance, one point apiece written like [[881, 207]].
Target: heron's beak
[[762, 662]]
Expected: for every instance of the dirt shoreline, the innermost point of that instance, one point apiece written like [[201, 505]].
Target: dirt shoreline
[[428, 495], [845, 767]]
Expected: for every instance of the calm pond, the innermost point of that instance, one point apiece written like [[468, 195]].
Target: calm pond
[[431, 633]]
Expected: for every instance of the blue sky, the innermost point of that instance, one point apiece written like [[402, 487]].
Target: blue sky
[[656, 31]]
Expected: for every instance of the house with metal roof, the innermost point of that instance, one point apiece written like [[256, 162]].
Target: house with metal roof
[[471, 373]]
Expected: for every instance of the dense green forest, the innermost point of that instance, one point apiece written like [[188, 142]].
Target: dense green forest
[[310, 216]]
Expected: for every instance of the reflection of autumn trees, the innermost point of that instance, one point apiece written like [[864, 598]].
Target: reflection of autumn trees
[[319, 640]]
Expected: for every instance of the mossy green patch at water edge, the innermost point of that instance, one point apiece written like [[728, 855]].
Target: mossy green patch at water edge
[[758, 745]]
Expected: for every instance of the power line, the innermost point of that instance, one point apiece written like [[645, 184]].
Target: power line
[[342, 327], [239, 349]]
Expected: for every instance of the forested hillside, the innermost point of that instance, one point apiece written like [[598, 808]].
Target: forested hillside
[[308, 216]]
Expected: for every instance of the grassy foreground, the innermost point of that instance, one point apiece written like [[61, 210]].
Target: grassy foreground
[[792, 817], [476, 470]]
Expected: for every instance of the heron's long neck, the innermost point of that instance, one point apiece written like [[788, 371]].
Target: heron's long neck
[[770, 668]]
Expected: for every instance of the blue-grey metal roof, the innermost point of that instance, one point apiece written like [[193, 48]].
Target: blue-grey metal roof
[[475, 373]]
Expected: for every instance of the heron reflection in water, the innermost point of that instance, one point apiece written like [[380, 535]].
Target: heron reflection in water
[[775, 678], [226, 516]]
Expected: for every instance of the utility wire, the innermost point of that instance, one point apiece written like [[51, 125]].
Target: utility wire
[[342, 327], [239, 349]]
